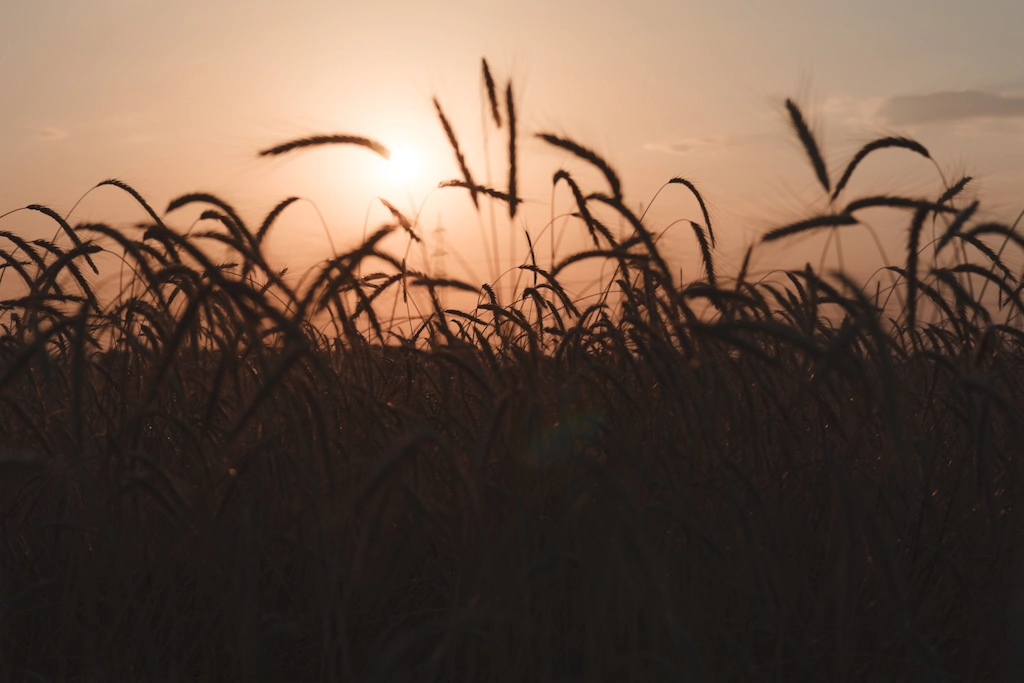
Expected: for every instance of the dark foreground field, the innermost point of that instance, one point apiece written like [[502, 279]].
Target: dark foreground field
[[214, 475]]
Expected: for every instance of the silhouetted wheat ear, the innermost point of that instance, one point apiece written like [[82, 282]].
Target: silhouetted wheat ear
[[587, 155], [492, 96], [989, 253], [975, 269], [700, 200], [317, 140], [956, 225], [236, 224], [742, 276], [490, 293], [883, 143], [894, 203], [400, 217], [705, 252], [581, 202], [424, 281], [955, 189], [533, 256], [998, 229], [807, 139], [482, 189], [135, 195], [513, 195], [913, 239], [64, 227], [459, 158], [261, 233], [828, 221]]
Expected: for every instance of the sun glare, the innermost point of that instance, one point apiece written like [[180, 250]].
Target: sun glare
[[404, 166]]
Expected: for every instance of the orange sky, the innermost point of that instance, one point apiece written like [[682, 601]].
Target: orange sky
[[179, 97]]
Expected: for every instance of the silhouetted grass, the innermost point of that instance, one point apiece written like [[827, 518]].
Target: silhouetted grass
[[721, 479]]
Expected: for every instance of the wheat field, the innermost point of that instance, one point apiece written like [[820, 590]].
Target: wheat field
[[214, 473]]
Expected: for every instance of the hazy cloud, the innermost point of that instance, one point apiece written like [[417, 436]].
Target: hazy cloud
[[949, 106], [49, 133], [687, 145], [856, 114]]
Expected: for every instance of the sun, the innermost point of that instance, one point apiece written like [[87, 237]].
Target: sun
[[404, 166]]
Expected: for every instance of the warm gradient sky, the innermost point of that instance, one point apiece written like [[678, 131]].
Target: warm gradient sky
[[175, 97]]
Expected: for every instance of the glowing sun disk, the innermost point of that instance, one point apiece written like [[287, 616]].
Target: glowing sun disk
[[404, 164]]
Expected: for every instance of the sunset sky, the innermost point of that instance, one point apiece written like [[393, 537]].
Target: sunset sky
[[179, 97]]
